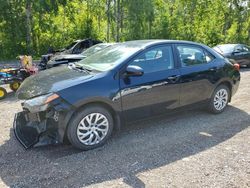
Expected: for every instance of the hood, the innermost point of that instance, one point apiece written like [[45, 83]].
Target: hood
[[51, 80]]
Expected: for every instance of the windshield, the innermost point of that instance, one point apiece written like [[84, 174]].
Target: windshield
[[227, 48], [94, 49], [109, 57], [71, 45]]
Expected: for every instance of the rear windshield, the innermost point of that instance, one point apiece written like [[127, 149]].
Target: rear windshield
[[227, 48], [94, 49], [71, 45]]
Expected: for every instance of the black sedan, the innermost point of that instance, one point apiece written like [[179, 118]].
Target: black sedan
[[239, 53], [86, 101], [70, 58]]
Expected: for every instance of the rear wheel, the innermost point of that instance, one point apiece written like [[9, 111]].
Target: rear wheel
[[3, 93], [90, 128], [15, 85], [219, 99]]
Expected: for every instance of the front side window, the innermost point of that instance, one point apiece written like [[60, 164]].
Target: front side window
[[155, 59], [192, 55], [238, 48], [80, 47]]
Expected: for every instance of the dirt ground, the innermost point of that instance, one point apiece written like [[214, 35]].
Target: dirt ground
[[189, 149]]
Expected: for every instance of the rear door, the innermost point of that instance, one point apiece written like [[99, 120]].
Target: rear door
[[157, 91], [198, 70]]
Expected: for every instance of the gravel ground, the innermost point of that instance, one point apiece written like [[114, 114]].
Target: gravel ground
[[188, 149]]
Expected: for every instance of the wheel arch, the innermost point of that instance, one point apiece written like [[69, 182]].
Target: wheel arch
[[116, 115], [229, 85]]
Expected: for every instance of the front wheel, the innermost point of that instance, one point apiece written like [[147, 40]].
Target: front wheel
[[219, 99], [90, 128]]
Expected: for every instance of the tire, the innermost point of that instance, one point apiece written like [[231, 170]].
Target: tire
[[219, 99], [3, 93], [15, 85], [80, 126]]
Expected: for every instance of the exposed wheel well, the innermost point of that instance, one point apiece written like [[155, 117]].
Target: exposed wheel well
[[102, 104]]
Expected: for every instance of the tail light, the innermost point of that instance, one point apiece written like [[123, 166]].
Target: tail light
[[237, 66]]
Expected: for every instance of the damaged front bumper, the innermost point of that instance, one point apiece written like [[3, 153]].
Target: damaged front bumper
[[42, 128]]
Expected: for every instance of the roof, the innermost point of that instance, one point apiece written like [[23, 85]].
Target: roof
[[146, 43], [228, 44]]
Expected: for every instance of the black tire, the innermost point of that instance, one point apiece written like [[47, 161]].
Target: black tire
[[211, 106], [15, 85], [76, 119], [3, 93]]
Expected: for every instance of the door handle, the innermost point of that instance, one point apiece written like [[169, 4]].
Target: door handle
[[213, 69], [173, 78]]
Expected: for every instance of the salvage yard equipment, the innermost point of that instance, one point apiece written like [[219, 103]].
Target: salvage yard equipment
[[14, 76], [3, 93]]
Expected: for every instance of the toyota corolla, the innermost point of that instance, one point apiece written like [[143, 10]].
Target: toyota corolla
[[86, 101]]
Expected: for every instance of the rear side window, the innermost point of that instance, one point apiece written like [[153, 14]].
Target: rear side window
[[209, 57], [192, 55]]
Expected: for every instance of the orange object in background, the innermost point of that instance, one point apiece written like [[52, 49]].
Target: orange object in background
[[7, 70], [237, 66]]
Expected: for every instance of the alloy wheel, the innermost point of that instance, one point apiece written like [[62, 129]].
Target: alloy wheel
[[220, 99], [92, 129]]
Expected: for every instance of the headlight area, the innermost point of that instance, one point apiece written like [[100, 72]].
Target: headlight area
[[38, 123], [40, 103]]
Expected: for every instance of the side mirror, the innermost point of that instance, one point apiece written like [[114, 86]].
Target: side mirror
[[133, 70]]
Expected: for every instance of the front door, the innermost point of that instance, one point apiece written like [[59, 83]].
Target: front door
[[157, 90]]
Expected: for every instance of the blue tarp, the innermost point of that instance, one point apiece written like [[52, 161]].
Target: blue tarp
[[5, 75]]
